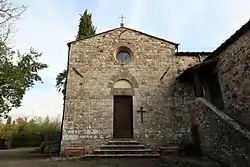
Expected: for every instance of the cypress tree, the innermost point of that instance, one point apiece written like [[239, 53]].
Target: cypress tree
[[86, 27]]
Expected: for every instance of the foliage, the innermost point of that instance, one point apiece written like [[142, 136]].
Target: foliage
[[9, 14], [24, 132], [7, 130], [86, 28], [18, 72], [16, 77], [61, 82]]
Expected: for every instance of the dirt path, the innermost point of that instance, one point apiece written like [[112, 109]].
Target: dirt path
[[20, 153], [85, 163], [23, 158]]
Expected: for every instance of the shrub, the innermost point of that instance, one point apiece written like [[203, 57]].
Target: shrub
[[23, 132]]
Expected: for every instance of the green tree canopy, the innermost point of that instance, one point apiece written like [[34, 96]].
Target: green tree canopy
[[86, 27], [18, 72], [61, 81], [29, 131], [17, 76]]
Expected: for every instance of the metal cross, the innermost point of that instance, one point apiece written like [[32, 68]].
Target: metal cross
[[122, 17], [141, 111]]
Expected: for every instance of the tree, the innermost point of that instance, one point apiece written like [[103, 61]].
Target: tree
[[18, 72], [61, 82], [16, 77], [86, 28], [9, 14], [24, 132]]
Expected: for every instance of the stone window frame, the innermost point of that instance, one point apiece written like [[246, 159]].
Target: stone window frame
[[124, 48]]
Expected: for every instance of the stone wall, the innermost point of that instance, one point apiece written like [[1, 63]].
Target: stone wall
[[234, 75], [88, 118], [184, 62], [222, 138]]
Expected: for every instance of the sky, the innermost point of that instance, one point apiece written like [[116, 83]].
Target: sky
[[48, 25]]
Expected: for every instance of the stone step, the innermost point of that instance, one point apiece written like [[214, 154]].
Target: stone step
[[129, 151], [121, 155], [123, 147], [123, 142]]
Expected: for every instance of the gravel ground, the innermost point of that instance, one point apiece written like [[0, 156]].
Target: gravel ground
[[23, 158]]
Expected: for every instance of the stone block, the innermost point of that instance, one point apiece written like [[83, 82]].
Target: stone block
[[72, 151]]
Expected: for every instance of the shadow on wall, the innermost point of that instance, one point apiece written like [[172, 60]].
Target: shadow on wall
[[164, 114], [222, 138], [192, 148]]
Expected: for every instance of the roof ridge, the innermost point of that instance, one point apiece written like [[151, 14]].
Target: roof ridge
[[137, 31]]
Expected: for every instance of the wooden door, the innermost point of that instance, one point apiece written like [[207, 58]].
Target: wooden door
[[123, 117]]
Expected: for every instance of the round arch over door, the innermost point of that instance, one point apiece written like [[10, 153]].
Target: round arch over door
[[122, 83]]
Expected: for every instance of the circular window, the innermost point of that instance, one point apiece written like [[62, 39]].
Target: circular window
[[123, 57]]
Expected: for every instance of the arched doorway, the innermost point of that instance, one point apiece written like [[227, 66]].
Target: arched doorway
[[123, 110]]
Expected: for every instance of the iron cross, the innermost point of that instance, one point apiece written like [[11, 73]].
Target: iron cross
[[141, 111], [122, 17]]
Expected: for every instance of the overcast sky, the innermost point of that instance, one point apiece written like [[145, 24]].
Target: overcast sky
[[48, 25]]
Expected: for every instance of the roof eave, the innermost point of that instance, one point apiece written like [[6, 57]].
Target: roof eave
[[164, 40], [196, 67], [193, 53]]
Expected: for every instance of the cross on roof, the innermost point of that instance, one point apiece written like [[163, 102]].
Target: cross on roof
[[122, 17]]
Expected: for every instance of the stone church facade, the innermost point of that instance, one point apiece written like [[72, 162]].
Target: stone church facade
[[105, 92], [115, 75]]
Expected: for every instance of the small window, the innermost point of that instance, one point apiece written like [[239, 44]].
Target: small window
[[123, 57]]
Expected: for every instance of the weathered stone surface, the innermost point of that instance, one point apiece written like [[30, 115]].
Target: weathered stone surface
[[185, 61], [221, 135], [222, 138], [88, 119], [234, 74]]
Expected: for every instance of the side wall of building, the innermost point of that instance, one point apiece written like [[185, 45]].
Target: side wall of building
[[223, 132], [234, 76], [222, 138]]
